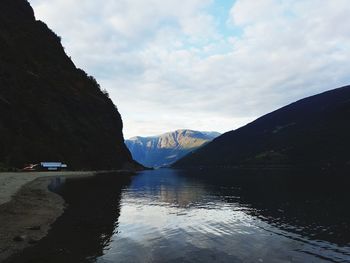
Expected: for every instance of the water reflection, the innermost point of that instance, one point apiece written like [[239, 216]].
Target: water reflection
[[312, 205], [195, 216], [177, 216]]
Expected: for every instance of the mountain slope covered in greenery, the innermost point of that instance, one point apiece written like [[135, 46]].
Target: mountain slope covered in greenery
[[311, 132]]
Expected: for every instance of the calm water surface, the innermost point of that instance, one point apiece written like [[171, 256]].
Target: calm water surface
[[178, 216]]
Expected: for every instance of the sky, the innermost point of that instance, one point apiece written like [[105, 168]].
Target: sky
[[209, 65]]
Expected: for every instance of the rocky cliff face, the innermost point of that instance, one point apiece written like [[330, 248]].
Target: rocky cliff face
[[49, 109], [313, 132], [167, 148]]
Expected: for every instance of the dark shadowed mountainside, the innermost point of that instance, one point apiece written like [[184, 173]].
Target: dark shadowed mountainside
[[311, 132], [49, 109], [167, 148]]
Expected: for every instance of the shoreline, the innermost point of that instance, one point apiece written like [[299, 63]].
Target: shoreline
[[28, 208], [11, 182]]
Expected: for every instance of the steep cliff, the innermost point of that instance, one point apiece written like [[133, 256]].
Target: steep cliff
[[313, 132], [49, 109], [167, 148]]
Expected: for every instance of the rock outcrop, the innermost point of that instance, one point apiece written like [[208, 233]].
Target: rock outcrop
[[167, 148]]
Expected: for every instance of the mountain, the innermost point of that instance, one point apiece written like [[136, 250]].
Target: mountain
[[49, 109], [167, 148], [312, 132]]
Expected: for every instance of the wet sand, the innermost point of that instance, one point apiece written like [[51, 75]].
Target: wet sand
[[28, 208]]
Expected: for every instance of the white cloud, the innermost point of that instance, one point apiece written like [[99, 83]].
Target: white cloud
[[251, 12], [169, 65]]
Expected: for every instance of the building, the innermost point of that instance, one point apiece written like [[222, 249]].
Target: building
[[46, 166], [52, 166]]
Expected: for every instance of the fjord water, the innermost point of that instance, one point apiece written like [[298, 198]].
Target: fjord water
[[170, 215]]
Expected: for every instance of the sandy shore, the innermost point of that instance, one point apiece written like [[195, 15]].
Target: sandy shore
[[28, 208], [10, 183]]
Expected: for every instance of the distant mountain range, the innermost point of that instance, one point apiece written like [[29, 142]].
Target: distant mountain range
[[312, 132], [167, 148]]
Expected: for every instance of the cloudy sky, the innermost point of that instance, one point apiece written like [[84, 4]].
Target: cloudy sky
[[204, 64]]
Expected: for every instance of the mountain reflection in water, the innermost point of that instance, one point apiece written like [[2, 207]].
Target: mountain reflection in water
[[195, 216]]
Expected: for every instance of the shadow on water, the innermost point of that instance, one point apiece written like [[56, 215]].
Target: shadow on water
[[310, 203], [85, 229], [221, 215], [203, 216]]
